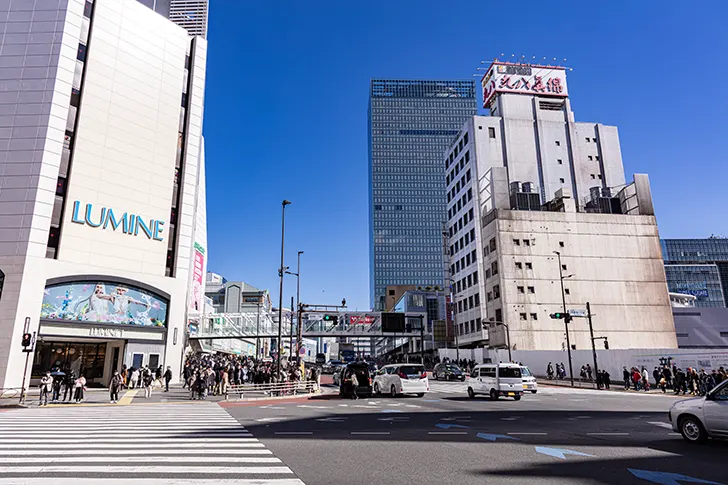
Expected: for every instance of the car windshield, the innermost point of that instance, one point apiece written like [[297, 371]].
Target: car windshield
[[508, 372], [451, 368], [411, 369], [526, 372]]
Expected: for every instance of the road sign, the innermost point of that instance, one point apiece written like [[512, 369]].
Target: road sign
[[577, 312], [362, 320]]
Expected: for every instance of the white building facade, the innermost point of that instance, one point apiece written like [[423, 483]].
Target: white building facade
[[102, 195], [531, 156]]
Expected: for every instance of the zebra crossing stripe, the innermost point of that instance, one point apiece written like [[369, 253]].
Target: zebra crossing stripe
[[148, 481]]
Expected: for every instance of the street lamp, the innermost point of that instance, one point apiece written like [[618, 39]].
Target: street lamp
[[297, 274], [508, 338], [566, 320], [280, 294]]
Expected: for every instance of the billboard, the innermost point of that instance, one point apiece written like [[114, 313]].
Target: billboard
[[103, 302], [503, 77], [198, 275], [361, 320]]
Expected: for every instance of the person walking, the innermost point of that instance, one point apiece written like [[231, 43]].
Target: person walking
[[115, 387], [645, 379], [588, 372], [78, 387], [134, 378], [46, 386], [625, 377], [550, 371], [354, 386], [68, 385], [147, 381], [57, 388], [167, 378], [224, 382]]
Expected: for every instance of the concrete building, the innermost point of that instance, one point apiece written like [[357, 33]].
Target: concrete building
[[410, 124], [698, 328], [698, 267], [102, 182], [191, 15], [527, 181]]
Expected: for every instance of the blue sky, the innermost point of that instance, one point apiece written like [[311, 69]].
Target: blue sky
[[286, 113]]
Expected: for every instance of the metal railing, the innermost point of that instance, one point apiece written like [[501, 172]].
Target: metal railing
[[277, 389]]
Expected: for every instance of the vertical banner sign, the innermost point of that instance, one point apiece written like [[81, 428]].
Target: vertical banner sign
[[450, 329], [197, 276]]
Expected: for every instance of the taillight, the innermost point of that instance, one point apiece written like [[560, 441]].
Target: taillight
[[402, 375]]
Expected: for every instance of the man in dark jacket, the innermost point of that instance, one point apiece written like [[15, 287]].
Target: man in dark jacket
[[167, 378], [115, 387]]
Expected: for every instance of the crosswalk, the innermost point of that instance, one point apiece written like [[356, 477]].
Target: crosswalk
[[449, 387], [161, 444]]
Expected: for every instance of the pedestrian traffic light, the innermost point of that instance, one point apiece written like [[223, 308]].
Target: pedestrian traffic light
[[26, 340], [331, 319], [561, 316]]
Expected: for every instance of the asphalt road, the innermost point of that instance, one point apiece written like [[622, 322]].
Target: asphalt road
[[557, 436]]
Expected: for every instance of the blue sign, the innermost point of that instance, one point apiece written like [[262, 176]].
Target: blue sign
[[129, 223]]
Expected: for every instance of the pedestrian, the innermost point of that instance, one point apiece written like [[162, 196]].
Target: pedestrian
[[68, 385], [657, 375], [663, 384], [606, 379], [57, 383], [115, 387], [550, 371], [167, 378], [645, 379], [78, 387], [354, 386], [147, 381], [224, 381], [134, 379], [46, 386], [626, 377], [588, 372]]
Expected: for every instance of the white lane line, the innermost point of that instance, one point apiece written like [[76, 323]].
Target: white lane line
[[660, 424], [125, 434], [293, 432], [370, 432], [138, 439], [282, 470], [136, 452], [527, 434], [147, 459], [146, 445], [447, 432], [607, 434], [149, 481]]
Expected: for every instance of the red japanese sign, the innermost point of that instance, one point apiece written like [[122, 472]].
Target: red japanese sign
[[361, 320], [523, 78]]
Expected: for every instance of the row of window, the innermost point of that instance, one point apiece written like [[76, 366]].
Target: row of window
[[462, 222], [473, 301], [470, 327], [458, 148], [462, 242], [460, 165], [463, 263], [467, 282], [467, 197]]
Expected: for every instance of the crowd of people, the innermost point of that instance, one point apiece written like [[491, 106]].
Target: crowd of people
[[690, 381], [206, 374], [55, 382]]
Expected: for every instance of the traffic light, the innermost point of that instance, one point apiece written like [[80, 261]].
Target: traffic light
[[561, 316], [26, 340], [331, 319], [606, 344]]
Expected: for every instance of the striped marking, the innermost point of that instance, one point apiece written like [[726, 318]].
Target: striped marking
[[147, 481], [128, 469], [166, 459]]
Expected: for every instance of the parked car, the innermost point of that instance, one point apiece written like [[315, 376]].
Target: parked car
[[496, 380], [362, 375], [448, 372], [700, 418], [338, 370], [529, 380], [397, 379]]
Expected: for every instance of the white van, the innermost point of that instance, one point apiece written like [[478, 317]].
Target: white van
[[529, 380], [496, 380], [397, 379]]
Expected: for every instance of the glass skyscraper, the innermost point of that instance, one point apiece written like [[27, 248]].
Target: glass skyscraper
[[698, 267], [411, 124]]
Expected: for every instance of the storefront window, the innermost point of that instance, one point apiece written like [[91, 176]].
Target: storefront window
[[103, 302], [81, 358]]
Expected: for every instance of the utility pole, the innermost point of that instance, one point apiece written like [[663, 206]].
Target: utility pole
[[422, 340], [591, 334], [290, 340], [281, 270], [566, 320]]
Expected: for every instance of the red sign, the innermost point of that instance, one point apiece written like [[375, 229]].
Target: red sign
[[361, 320], [197, 278]]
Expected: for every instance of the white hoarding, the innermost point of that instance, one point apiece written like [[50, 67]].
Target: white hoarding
[[524, 79]]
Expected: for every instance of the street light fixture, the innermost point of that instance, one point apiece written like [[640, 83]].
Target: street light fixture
[[281, 270], [566, 320]]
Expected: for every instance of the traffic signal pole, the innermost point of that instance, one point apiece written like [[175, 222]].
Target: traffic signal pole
[[566, 319], [591, 334]]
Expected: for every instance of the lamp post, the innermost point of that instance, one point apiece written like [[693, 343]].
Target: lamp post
[[297, 274], [566, 320], [280, 289], [508, 338]]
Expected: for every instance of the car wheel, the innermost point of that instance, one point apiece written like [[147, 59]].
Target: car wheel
[[471, 393], [534, 392], [393, 391], [692, 430], [517, 397], [377, 391], [420, 394], [493, 395]]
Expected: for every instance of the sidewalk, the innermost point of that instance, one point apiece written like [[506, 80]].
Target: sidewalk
[[615, 386]]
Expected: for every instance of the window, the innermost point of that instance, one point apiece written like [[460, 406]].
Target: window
[[594, 140], [470, 301], [593, 176], [561, 244], [477, 299], [491, 132], [519, 265], [516, 242], [480, 127], [475, 277], [590, 157], [467, 260], [470, 281], [377, 207], [532, 289], [563, 266], [499, 315], [465, 138], [596, 157], [521, 289], [472, 234], [467, 238], [472, 256], [526, 242], [487, 273], [460, 306], [87, 9], [560, 161], [467, 175], [561, 180], [489, 296], [492, 245], [494, 267], [566, 291], [81, 54], [587, 139], [534, 316], [558, 143], [496, 292], [523, 316]]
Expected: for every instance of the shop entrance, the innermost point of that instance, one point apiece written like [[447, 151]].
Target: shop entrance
[[82, 358]]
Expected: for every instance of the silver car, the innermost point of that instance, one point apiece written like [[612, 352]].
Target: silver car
[[700, 418]]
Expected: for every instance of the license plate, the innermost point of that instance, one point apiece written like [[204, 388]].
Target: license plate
[[511, 393]]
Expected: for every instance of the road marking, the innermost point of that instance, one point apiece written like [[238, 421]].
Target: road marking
[[293, 432], [263, 420], [128, 397], [332, 420], [456, 418], [19, 460], [142, 445], [154, 481], [660, 424], [390, 411], [369, 432], [447, 432], [559, 452], [207, 470], [607, 434], [494, 437], [138, 439], [140, 453], [528, 434], [395, 418]]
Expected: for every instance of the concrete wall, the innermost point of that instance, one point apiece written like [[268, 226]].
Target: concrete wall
[[701, 327]]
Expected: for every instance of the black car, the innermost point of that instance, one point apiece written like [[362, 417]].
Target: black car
[[362, 375], [449, 372]]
